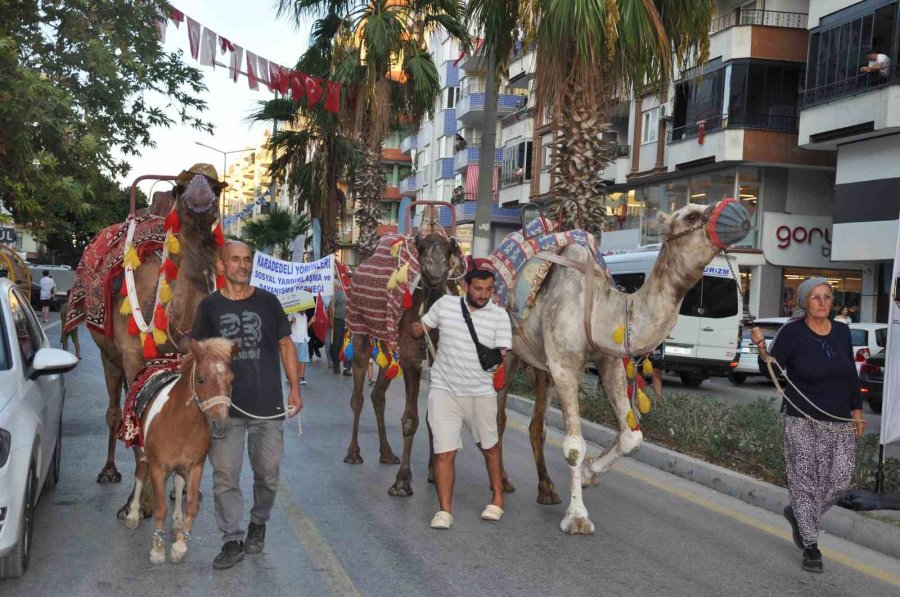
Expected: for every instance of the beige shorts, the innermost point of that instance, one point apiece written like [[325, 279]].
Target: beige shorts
[[447, 413]]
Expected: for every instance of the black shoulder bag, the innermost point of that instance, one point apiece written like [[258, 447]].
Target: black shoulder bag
[[489, 358]]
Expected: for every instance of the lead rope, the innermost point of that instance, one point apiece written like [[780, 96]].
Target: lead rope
[[770, 360]]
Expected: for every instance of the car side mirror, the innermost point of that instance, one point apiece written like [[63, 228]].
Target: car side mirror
[[48, 361]]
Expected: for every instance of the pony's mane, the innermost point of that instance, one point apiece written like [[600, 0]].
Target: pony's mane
[[217, 348]]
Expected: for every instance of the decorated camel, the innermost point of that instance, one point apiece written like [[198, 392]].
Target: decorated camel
[[138, 284], [391, 290], [578, 316]]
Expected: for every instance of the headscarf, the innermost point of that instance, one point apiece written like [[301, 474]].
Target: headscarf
[[803, 292]]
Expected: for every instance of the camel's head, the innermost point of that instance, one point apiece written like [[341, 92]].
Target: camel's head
[[209, 364], [197, 197], [439, 258], [705, 230]]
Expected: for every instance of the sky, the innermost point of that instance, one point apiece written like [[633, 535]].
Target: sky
[[252, 26]]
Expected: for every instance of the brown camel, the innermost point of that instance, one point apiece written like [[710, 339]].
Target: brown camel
[[560, 336], [438, 258], [122, 355]]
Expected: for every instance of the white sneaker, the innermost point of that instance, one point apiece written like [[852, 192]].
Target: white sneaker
[[442, 520], [302, 381]]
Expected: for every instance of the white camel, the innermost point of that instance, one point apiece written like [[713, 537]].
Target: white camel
[[562, 334]]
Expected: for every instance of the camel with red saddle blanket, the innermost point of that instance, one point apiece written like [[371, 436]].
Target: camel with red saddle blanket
[[138, 284]]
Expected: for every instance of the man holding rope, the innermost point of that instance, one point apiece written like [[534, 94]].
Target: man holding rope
[[256, 322]]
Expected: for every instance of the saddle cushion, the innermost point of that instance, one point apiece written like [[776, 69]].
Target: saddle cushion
[[146, 385]]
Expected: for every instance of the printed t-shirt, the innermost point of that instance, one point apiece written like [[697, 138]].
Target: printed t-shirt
[[456, 367], [256, 324]]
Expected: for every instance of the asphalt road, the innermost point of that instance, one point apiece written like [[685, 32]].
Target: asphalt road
[[336, 531]]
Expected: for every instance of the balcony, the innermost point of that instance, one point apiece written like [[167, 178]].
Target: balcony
[[521, 68], [408, 144], [760, 18], [855, 85], [767, 122], [471, 156], [408, 186], [470, 109], [473, 60], [519, 193]]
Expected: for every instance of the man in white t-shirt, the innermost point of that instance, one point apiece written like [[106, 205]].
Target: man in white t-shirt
[[879, 66], [48, 288], [461, 391]]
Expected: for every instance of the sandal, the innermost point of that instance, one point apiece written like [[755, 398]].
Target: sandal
[[442, 520]]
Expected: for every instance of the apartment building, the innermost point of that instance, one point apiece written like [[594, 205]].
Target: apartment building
[[248, 180], [857, 115]]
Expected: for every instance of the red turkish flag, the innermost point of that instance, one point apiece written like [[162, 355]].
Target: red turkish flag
[[332, 97], [320, 325], [701, 132], [298, 92], [252, 71], [194, 36], [313, 89]]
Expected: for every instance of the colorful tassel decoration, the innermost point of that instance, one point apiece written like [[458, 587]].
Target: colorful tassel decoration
[[218, 236], [643, 402], [125, 307], [123, 291], [172, 223], [619, 335], [169, 269], [500, 377], [160, 320], [407, 299], [630, 390], [341, 354], [348, 353], [133, 329], [220, 281], [159, 337], [150, 351], [165, 292], [381, 360], [131, 258], [375, 352], [392, 281], [396, 247], [172, 244], [403, 274], [629, 370], [392, 371], [647, 367], [632, 422]]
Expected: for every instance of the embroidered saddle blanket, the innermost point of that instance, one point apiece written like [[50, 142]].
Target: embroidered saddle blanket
[[372, 309], [520, 273], [100, 275], [150, 380]]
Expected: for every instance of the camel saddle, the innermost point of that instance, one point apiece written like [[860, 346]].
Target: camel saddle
[[152, 378]]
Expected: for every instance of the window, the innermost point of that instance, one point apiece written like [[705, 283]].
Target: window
[[629, 283], [546, 156], [451, 96], [711, 297], [650, 126], [28, 331], [516, 166]]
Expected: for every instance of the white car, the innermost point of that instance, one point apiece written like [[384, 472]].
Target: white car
[[31, 400]]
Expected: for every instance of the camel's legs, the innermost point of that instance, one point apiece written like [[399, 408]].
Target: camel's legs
[[412, 375], [378, 402], [115, 381], [178, 511], [158, 479], [182, 536], [615, 384], [362, 350], [537, 431], [512, 365], [567, 371]]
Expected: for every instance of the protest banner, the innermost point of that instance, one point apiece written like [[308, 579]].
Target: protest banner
[[281, 277]]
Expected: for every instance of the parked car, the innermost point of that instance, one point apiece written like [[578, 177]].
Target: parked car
[[871, 380], [55, 301], [32, 390], [868, 339], [746, 362]]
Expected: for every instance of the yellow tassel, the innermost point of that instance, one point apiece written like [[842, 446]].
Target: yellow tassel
[[392, 282], [125, 307], [131, 258], [403, 274], [647, 367], [395, 248], [143, 337], [172, 244], [619, 335], [643, 402], [629, 418], [159, 337], [381, 361], [460, 290], [629, 370], [165, 292]]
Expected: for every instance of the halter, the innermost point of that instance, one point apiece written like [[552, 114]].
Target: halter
[[700, 226], [205, 405]]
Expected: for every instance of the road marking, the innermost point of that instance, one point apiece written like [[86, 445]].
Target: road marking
[[324, 560], [868, 570]]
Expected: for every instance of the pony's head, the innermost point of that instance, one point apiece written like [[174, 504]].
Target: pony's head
[[209, 364], [197, 193], [439, 257]]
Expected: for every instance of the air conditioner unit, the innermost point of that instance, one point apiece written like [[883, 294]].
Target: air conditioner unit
[[665, 111]]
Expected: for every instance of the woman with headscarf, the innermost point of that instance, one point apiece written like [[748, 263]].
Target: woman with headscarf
[[823, 419]]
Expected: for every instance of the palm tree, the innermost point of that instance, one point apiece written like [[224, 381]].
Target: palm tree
[[589, 54], [275, 230], [380, 53]]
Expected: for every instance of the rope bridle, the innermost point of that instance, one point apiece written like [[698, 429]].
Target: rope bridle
[[209, 403]]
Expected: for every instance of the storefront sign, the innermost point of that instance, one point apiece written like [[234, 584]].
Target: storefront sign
[[797, 240], [8, 236]]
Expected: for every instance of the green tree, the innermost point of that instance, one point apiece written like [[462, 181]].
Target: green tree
[[275, 230], [589, 54], [82, 82]]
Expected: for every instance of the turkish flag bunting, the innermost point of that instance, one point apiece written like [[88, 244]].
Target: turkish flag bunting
[[194, 36], [208, 48], [225, 45], [313, 89], [332, 97], [234, 67], [297, 90], [252, 71], [279, 78], [177, 16], [160, 24], [263, 72]]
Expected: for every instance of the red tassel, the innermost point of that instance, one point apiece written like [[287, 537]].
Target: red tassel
[[630, 390], [218, 236], [124, 290], [341, 355], [640, 381], [392, 371], [500, 377], [169, 269], [220, 281], [150, 347], [172, 223], [160, 320], [407, 299], [133, 329]]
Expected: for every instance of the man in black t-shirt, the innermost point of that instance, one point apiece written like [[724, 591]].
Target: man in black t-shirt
[[254, 319]]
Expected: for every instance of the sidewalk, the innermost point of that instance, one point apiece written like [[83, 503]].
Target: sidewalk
[[846, 524]]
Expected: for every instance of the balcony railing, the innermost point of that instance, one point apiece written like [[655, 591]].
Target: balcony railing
[[859, 83], [763, 18], [767, 122]]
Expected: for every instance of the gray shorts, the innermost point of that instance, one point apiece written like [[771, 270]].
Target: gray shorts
[[447, 413]]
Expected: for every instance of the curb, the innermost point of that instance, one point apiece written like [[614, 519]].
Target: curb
[[840, 522]]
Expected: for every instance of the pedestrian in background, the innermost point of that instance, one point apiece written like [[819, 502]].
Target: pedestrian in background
[[462, 392], [64, 336], [844, 315], [337, 312], [822, 425], [300, 338], [48, 290]]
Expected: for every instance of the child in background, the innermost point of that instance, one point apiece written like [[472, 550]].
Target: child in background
[[300, 338]]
